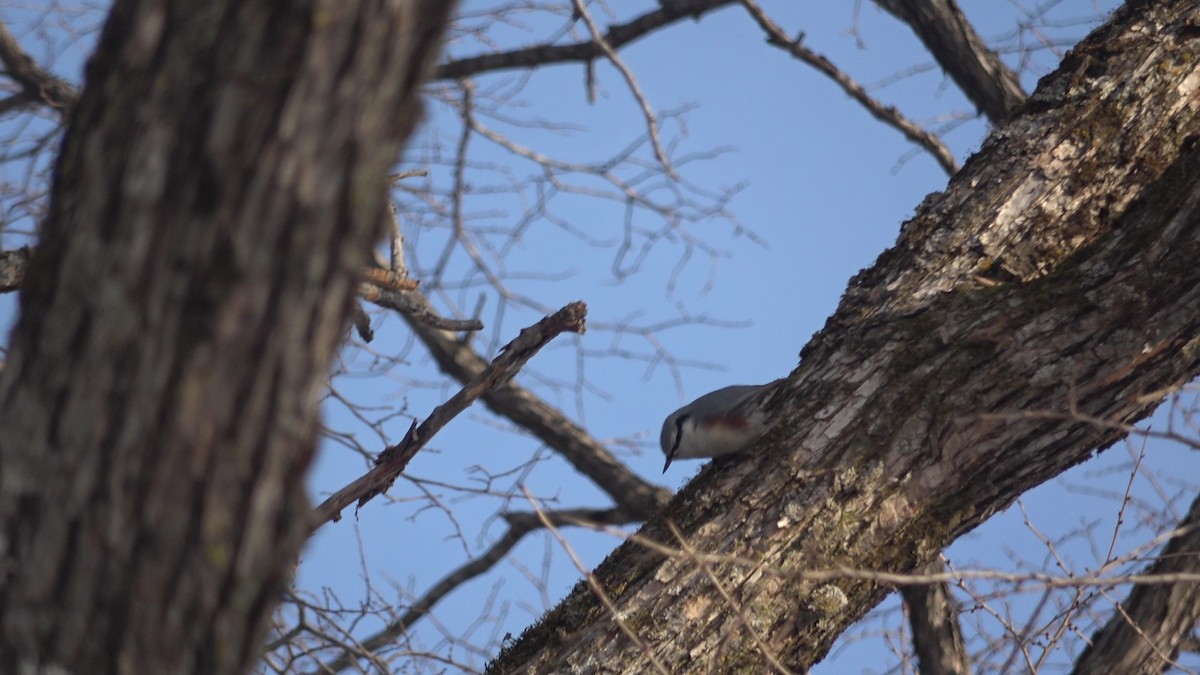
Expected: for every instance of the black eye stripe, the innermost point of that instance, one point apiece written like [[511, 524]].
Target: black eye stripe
[[679, 431]]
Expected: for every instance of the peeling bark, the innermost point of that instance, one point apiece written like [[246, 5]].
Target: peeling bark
[[1047, 298], [221, 182]]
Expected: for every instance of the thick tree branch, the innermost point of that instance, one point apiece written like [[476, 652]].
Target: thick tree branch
[[38, 87], [949, 36], [937, 636], [1055, 273], [393, 460], [1148, 629]]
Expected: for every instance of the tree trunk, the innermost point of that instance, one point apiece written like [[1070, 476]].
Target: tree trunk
[[1049, 297], [937, 638], [220, 185]]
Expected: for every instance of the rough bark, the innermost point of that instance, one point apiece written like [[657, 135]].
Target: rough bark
[[978, 71], [1148, 630], [1049, 296], [220, 184], [996, 91]]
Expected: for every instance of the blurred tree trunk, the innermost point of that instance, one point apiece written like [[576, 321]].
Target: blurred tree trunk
[[220, 185], [1047, 299]]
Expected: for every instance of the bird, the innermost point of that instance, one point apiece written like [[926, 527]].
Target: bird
[[721, 422]]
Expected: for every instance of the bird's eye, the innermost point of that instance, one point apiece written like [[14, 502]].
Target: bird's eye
[[679, 431]]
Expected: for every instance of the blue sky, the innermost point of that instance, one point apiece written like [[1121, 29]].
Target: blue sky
[[823, 188]]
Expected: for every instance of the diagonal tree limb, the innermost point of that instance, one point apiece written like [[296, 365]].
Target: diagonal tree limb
[[776, 37], [978, 71], [1148, 629], [669, 12], [629, 491], [395, 458], [413, 306], [38, 86], [1053, 273]]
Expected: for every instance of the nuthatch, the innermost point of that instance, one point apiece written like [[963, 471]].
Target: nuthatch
[[717, 423]]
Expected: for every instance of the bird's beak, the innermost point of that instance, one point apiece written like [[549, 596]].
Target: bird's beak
[[668, 462]]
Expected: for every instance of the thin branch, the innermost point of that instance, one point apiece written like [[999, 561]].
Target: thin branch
[[580, 52], [393, 460], [611, 54], [884, 113], [596, 588], [386, 289], [413, 306], [519, 525], [1025, 581], [639, 498], [1147, 630]]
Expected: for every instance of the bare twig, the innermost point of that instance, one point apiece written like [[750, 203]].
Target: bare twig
[[519, 525], [631, 81], [386, 289], [886, 114], [1148, 628], [1026, 581], [579, 52], [628, 490], [413, 306], [598, 590], [394, 459]]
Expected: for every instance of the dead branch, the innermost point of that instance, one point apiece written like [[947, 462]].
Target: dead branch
[[394, 459]]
